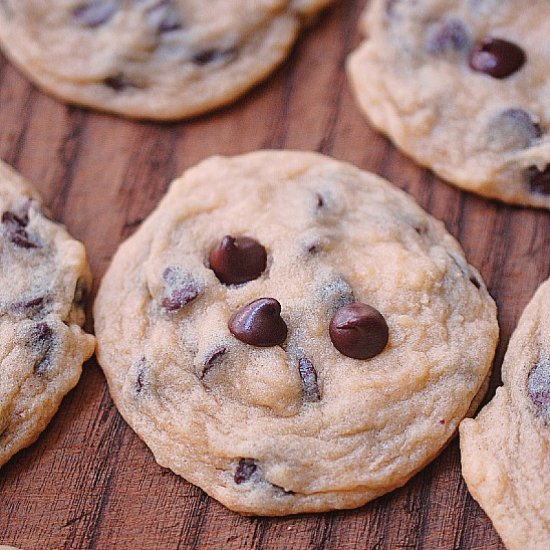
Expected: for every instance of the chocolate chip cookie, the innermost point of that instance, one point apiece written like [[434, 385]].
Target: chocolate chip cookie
[[463, 88], [292, 334], [506, 449], [45, 278], [156, 59]]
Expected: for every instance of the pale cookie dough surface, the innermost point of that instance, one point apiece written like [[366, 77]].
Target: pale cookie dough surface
[[44, 279], [411, 77], [243, 422], [506, 449], [158, 59]]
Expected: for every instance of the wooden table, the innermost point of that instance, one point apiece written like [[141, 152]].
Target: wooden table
[[89, 482]]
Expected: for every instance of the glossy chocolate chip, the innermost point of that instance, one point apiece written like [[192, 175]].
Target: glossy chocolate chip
[[16, 231], [447, 36], [538, 387], [513, 129], [206, 57], [538, 180], [308, 374], [246, 468], [180, 289], [259, 323], [238, 260], [359, 331], [496, 57], [212, 359], [95, 12]]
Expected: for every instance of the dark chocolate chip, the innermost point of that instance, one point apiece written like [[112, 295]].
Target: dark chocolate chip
[[238, 260], [308, 374], [259, 323], [538, 387], [181, 289], [140, 378], [119, 82], [206, 57], [212, 359], [513, 129], [95, 12], [475, 282], [246, 468], [32, 304], [538, 181], [496, 57], [16, 231], [359, 331], [447, 36], [41, 341], [320, 202]]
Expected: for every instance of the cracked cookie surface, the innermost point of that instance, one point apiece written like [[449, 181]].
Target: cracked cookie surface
[[157, 59], [45, 278], [241, 388], [462, 88], [506, 449]]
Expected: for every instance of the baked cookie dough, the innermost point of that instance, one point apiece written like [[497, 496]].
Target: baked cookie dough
[[462, 87], [153, 59], [44, 279], [506, 449], [227, 326]]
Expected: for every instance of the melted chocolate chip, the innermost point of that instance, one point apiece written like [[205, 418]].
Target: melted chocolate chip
[[359, 331], [212, 359], [180, 289], [538, 181], [206, 57], [308, 374], [447, 36], [238, 260], [95, 12], [259, 323], [41, 340], [246, 468], [496, 57], [538, 387], [16, 231], [513, 129]]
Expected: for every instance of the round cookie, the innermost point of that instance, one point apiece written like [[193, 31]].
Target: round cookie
[[155, 59], [506, 449], [44, 279], [238, 387], [462, 87]]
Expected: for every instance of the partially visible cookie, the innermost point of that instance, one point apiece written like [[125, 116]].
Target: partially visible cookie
[[506, 449], [44, 278], [293, 334], [157, 59], [462, 87]]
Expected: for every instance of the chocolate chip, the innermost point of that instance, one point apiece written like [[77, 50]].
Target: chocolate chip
[[308, 374], [320, 202], [16, 231], [538, 180], [140, 378], [119, 82], [447, 36], [359, 331], [95, 12], [206, 57], [41, 341], [259, 323], [181, 289], [538, 387], [513, 129], [475, 282], [246, 468], [212, 359], [238, 260], [32, 304], [496, 57]]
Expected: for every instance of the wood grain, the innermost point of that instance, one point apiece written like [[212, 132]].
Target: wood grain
[[89, 482]]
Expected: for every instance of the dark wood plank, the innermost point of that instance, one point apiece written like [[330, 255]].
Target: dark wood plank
[[89, 482]]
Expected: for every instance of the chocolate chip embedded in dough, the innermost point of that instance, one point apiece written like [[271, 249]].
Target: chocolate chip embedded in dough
[[358, 331], [512, 129], [238, 260], [538, 180], [119, 82], [212, 359], [246, 468], [16, 231], [496, 57], [259, 323], [308, 374], [180, 289], [41, 342], [95, 13], [449, 35], [206, 57]]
